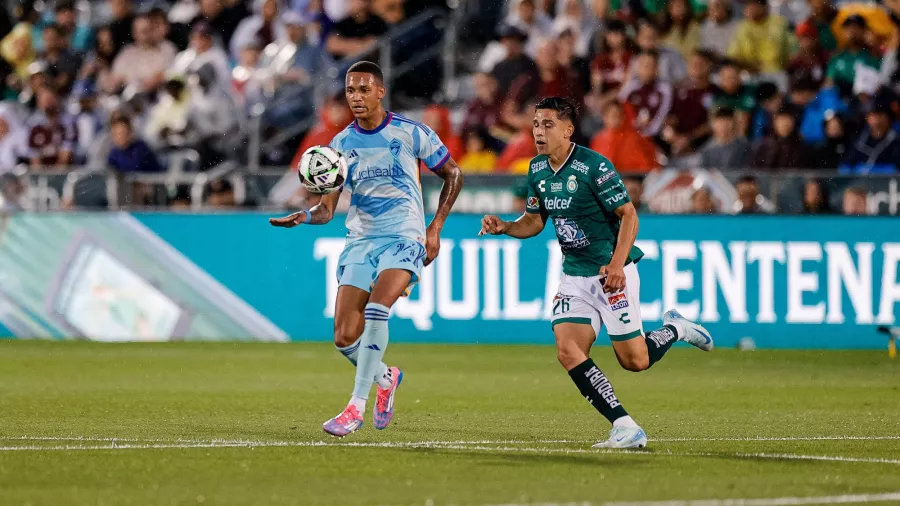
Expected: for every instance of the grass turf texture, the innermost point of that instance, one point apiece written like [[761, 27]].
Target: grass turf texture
[[159, 394]]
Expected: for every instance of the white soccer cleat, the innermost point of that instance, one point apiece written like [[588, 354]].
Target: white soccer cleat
[[621, 438], [688, 331]]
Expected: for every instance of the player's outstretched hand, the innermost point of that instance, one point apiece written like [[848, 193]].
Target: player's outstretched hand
[[288, 221], [493, 225], [614, 278]]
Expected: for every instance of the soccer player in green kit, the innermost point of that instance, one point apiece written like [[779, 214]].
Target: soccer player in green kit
[[596, 225]]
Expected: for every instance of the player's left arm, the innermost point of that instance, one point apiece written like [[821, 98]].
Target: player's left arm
[[628, 229], [429, 148], [453, 182]]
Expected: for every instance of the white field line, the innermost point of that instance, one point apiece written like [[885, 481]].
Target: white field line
[[777, 501], [113, 445], [800, 438]]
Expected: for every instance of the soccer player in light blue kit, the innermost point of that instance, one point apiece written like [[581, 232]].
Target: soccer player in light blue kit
[[388, 243]]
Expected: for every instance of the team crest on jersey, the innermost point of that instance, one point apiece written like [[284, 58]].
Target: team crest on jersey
[[395, 148], [569, 234], [580, 166], [572, 184], [434, 138]]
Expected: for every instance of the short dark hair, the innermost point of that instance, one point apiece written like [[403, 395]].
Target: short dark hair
[[65, 5], [723, 112], [367, 67], [121, 120], [565, 110], [651, 53], [54, 27], [747, 179]]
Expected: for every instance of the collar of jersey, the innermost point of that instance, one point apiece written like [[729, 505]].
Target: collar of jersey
[[387, 119], [571, 152]]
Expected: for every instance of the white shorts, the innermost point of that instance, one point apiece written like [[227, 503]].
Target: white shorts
[[582, 300]]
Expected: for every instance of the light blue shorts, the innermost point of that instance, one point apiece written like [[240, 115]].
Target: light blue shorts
[[364, 259]]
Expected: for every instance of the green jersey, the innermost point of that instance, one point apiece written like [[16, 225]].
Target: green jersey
[[581, 199]]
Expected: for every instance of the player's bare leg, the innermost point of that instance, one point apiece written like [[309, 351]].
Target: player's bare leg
[[640, 353], [388, 288], [573, 346]]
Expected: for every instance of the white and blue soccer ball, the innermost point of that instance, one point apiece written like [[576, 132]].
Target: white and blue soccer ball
[[322, 169]]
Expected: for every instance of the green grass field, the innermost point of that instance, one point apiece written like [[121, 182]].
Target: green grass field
[[85, 423]]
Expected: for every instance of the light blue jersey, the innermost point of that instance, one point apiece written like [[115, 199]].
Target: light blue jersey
[[386, 219]]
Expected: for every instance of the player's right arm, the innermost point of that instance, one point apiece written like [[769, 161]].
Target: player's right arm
[[318, 214]]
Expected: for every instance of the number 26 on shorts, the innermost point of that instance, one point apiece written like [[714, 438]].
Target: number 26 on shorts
[[560, 305]]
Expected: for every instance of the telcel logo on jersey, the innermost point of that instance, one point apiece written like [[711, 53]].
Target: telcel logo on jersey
[[556, 203]]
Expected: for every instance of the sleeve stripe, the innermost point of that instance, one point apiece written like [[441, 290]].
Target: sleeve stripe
[[440, 163]]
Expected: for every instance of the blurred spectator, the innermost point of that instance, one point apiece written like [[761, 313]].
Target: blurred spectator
[[76, 36], [516, 63], [88, 120], [609, 70], [167, 119], [726, 150], [842, 66], [818, 106], [16, 49], [578, 23], [769, 100], [822, 17], [733, 93], [478, 158], [749, 199], [670, 64], [122, 22], [520, 150], [263, 26], [719, 28], [181, 200], [357, 33], [535, 24], [13, 194], [784, 149], [877, 150], [141, 65], [13, 139], [98, 63], [334, 117], [811, 61], [702, 201], [220, 194], [621, 143], [831, 152], [128, 153], [485, 107], [693, 99], [553, 79], [635, 188], [854, 202], [682, 31], [393, 12], [815, 198], [203, 51], [161, 30], [62, 65], [222, 17], [762, 42], [38, 79], [437, 117], [568, 58], [650, 96], [52, 133], [213, 124], [246, 82]]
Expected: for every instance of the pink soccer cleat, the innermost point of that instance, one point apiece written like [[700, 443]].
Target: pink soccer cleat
[[345, 423], [384, 406]]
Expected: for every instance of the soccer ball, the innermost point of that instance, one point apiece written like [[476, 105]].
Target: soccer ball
[[322, 169]]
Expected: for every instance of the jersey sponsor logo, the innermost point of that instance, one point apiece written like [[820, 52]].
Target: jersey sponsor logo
[[619, 305], [555, 187], [373, 172], [541, 186], [616, 298], [538, 166], [557, 203], [605, 177], [615, 198], [570, 235], [396, 146], [614, 187], [532, 203], [603, 167], [572, 183], [580, 166]]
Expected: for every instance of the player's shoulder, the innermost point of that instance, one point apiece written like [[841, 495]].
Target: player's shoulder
[[538, 164], [340, 136], [591, 162], [401, 121]]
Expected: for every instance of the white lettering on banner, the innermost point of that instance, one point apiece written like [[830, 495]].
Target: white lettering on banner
[[732, 279], [513, 309], [468, 307], [651, 311], [766, 253], [554, 274], [421, 309], [890, 288], [675, 280], [857, 282], [491, 277], [329, 249], [890, 198], [800, 282]]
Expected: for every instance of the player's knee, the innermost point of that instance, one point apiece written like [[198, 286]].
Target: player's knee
[[345, 335], [569, 355], [635, 363]]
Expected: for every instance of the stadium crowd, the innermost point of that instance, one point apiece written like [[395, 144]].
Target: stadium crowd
[[728, 85]]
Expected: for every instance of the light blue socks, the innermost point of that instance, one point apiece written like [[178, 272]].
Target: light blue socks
[[370, 349]]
